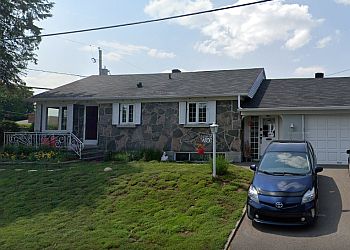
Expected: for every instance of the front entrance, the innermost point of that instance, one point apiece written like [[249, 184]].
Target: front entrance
[[91, 118], [267, 132]]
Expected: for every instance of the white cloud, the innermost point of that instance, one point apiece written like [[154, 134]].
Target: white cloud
[[322, 43], [115, 51], [164, 8], [308, 71], [47, 80], [237, 32], [160, 54], [346, 2], [299, 39]]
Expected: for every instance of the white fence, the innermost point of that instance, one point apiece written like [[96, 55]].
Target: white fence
[[62, 140]]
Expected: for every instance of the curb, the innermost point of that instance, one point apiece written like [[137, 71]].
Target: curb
[[234, 230]]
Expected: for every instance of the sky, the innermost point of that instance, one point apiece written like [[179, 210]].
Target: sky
[[288, 38]]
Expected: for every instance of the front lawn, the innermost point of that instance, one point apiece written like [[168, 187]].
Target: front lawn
[[136, 206]]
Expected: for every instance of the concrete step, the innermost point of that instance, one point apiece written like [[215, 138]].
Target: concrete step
[[92, 153]]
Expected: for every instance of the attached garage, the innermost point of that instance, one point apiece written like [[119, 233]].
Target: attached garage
[[330, 137]]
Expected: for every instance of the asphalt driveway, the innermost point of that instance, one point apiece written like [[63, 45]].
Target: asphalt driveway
[[331, 231]]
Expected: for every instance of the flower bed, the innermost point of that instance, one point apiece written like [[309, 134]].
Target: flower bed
[[23, 153]]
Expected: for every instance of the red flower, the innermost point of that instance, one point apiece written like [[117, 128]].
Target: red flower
[[200, 149]]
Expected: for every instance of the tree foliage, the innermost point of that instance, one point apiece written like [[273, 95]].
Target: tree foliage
[[19, 36], [13, 104]]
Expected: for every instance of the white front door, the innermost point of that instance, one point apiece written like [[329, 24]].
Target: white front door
[[330, 137], [267, 132]]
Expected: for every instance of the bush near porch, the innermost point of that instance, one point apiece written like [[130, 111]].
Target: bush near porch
[[7, 126], [137, 205]]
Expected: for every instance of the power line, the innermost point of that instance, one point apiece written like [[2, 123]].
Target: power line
[[145, 21], [338, 72], [55, 72]]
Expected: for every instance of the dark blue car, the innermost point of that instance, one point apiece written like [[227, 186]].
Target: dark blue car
[[285, 185]]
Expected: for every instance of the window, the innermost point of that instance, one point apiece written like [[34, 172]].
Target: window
[[285, 162], [56, 118], [201, 113], [52, 118], [127, 113], [197, 112], [64, 118]]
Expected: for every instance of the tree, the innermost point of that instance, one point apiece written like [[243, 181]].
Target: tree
[[13, 104], [19, 36]]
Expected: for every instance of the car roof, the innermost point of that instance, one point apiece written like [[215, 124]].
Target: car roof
[[287, 146]]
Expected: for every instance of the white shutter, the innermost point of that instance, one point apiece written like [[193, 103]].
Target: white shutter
[[115, 114], [138, 113], [70, 117], [211, 112], [37, 121], [182, 112]]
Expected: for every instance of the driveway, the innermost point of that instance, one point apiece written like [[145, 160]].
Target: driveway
[[331, 231]]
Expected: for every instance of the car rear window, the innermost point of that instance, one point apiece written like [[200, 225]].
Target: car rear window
[[285, 162]]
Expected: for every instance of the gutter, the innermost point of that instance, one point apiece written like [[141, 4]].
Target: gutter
[[119, 98], [294, 109]]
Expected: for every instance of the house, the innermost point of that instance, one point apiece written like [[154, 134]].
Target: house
[[172, 112]]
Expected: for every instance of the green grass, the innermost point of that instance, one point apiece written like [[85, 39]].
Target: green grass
[[136, 206]]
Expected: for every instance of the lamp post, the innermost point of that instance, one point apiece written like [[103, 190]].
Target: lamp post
[[214, 129]]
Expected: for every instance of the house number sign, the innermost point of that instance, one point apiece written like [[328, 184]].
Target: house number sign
[[206, 139]]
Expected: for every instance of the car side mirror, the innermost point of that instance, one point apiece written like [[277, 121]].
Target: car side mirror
[[318, 169], [348, 151], [253, 167]]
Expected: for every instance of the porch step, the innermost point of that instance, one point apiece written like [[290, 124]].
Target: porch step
[[92, 153]]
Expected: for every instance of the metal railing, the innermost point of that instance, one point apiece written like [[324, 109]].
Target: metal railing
[[61, 140]]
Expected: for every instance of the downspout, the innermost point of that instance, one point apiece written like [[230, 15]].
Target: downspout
[[239, 102]]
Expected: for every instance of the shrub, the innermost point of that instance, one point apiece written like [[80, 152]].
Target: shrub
[[221, 165], [141, 155], [7, 126], [120, 156], [151, 155]]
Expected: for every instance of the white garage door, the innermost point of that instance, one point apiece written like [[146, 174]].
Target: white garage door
[[330, 137]]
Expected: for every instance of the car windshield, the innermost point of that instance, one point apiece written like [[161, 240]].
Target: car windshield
[[285, 163]]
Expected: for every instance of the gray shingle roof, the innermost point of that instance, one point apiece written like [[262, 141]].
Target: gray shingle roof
[[185, 84], [299, 92]]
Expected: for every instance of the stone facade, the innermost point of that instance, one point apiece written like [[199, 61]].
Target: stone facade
[[160, 129]]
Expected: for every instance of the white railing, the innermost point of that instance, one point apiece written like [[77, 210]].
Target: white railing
[[61, 140]]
